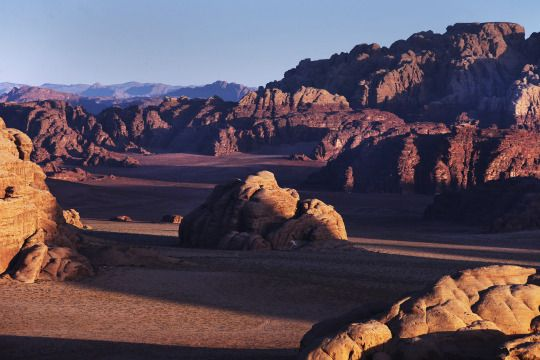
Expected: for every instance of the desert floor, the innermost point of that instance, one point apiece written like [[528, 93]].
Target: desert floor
[[151, 299]]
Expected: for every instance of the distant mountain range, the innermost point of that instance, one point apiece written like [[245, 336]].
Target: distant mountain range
[[225, 90], [97, 97]]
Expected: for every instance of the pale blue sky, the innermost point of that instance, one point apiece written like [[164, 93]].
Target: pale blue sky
[[198, 41]]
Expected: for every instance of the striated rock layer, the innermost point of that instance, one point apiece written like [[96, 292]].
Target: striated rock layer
[[484, 313], [434, 160], [33, 235], [258, 214]]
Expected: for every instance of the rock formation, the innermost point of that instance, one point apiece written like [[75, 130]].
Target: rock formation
[[485, 69], [427, 114], [258, 214], [433, 161], [172, 219], [63, 134], [33, 233], [475, 314], [72, 217], [503, 205]]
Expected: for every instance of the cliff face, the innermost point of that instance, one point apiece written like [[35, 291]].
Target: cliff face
[[426, 163], [485, 69], [503, 205], [25, 203], [34, 239]]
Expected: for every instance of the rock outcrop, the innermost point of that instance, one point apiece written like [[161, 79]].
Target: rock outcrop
[[475, 314], [32, 231], [503, 205], [256, 213]]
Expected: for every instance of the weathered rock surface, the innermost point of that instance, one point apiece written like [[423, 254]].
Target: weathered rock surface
[[31, 222], [471, 315], [63, 134], [258, 214], [433, 161], [72, 217], [486, 69], [503, 205]]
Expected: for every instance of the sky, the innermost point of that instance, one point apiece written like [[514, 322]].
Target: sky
[[190, 42]]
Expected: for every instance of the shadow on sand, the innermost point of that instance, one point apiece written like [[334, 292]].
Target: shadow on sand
[[42, 348]]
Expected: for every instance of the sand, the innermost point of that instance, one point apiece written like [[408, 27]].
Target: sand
[[205, 304]]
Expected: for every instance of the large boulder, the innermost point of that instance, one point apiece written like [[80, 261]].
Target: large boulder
[[472, 315], [31, 222], [257, 213]]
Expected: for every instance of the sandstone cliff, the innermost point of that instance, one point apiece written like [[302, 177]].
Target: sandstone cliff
[[435, 161], [35, 242], [485, 69]]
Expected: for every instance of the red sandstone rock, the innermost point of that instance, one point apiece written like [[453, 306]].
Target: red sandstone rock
[[433, 77], [31, 221], [471, 315], [436, 162], [172, 219], [258, 214]]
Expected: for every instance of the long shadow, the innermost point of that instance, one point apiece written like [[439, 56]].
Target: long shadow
[[43, 348]]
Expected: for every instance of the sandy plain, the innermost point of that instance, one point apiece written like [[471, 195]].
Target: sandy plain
[[152, 299]]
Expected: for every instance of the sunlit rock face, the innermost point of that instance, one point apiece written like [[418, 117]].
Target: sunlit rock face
[[30, 218], [256, 213], [485, 313]]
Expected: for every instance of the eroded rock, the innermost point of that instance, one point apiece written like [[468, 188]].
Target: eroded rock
[[257, 213], [31, 222], [470, 315]]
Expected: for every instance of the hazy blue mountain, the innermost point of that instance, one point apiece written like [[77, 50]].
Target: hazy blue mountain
[[6, 87], [227, 91]]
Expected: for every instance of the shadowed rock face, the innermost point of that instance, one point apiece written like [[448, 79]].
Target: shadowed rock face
[[487, 69], [433, 161], [475, 314], [258, 214], [32, 228], [504, 205]]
